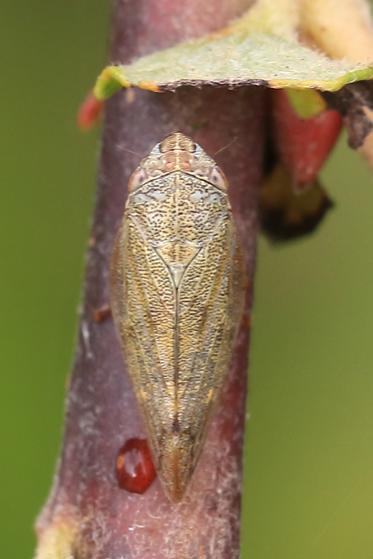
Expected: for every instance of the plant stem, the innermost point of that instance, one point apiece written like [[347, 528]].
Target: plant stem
[[87, 515]]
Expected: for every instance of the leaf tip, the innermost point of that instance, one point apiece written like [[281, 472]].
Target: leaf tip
[[109, 82], [89, 112]]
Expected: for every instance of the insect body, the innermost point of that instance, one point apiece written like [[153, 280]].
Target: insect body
[[177, 287]]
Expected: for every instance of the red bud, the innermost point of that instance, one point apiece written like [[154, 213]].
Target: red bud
[[302, 144]]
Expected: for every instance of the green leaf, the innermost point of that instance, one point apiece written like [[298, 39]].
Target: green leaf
[[261, 48]]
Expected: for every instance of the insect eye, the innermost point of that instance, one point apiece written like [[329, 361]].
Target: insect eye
[[217, 178], [136, 179]]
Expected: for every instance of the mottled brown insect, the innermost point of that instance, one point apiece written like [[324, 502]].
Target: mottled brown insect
[[177, 289]]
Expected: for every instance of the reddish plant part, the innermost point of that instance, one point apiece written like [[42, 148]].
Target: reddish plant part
[[302, 144], [134, 466], [89, 112]]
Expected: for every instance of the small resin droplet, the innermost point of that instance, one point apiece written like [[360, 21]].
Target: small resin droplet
[[134, 467], [101, 314]]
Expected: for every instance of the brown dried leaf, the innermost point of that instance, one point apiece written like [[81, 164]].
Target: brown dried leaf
[[286, 214]]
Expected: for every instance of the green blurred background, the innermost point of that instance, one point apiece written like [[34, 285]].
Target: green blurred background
[[309, 452]]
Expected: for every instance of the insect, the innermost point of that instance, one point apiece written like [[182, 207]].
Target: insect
[[176, 296]]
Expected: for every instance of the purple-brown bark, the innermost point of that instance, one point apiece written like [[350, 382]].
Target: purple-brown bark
[[101, 521]]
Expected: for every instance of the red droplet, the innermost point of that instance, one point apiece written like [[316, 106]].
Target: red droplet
[[134, 467], [302, 144], [89, 112]]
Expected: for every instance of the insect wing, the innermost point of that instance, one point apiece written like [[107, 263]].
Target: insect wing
[[176, 295]]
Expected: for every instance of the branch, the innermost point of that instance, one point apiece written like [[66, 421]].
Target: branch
[[87, 514]]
